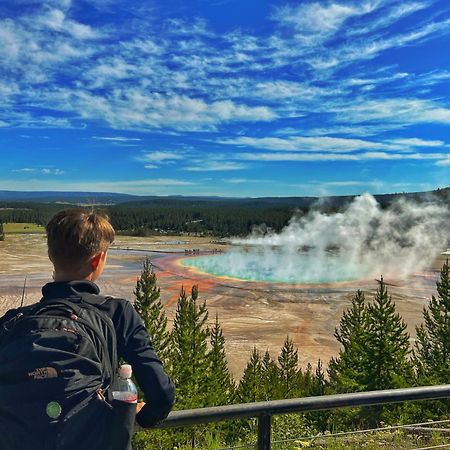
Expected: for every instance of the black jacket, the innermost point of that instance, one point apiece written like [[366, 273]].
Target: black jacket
[[133, 345]]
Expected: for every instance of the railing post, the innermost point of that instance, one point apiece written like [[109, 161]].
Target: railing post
[[264, 432]]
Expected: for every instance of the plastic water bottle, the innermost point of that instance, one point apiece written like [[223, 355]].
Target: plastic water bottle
[[124, 389]]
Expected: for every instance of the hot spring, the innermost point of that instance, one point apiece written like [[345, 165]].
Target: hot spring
[[273, 267], [362, 241]]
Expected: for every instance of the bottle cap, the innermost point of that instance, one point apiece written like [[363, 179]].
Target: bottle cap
[[125, 371]]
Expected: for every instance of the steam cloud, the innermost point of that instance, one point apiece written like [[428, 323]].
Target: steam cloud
[[361, 242]]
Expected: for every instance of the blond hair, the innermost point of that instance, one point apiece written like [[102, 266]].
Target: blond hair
[[75, 235]]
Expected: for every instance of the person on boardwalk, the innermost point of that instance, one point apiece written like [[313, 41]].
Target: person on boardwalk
[[59, 357]]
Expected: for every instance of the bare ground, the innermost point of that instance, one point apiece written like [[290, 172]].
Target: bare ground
[[251, 313]]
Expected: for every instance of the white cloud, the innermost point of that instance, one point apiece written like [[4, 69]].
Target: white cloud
[[52, 171], [116, 138], [394, 110], [25, 170], [307, 144], [416, 142], [389, 17], [43, 171], [247, 156], [160, 157], [136, 109], [318, 19], [244, 180], [56, 20], [182, 76], [207, 166], [369, 48]]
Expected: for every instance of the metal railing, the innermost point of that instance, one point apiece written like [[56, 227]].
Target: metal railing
[[264, 411]]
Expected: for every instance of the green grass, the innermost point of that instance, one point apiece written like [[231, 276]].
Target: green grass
[[18, 228], [387, 440]]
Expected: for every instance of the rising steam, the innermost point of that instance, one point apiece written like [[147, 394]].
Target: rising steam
[[363, 241]]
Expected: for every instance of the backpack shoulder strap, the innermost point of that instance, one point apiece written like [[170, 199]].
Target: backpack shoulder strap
[[91, 302], [47, 304]]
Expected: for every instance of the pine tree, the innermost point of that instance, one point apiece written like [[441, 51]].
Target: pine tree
[[250, 387], [271, 386], [319, 419], [149, 307], [189, 354], [306, 381], [319, 380], [347, 372], [387, 347], [221, 387], [289, 373], [432, 348]]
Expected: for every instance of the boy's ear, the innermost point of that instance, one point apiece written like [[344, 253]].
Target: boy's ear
[[95, 260]]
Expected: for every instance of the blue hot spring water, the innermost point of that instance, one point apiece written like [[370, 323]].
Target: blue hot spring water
[[275, 267]]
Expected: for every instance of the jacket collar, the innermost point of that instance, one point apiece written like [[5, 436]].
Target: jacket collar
[[67, 289]]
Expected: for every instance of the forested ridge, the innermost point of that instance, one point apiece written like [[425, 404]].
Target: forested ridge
[[218, 216]]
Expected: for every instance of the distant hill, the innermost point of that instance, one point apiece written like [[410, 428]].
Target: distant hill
[[108, 198]]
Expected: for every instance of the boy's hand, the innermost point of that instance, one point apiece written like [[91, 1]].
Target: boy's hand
[[139, 406]]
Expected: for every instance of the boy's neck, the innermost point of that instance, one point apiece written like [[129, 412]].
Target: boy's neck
[[61, 277]]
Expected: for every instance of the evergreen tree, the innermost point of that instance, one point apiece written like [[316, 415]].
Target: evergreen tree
[[271, 386], [319, 381], [289, 373], [347, 372], [250, 387], [2, 234], [189, 355], [432, 348], [149, 307], [221, 387], [319, 419], [306, 381], [387, 347]]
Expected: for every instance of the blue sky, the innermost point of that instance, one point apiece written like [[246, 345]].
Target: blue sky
[[225, 97]]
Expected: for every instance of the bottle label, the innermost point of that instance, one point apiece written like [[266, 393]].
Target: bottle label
[[127, 397]]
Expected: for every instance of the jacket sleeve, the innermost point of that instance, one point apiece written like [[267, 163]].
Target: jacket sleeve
[[136, 348]]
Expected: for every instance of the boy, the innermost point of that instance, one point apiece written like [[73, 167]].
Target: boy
[[78, 242]]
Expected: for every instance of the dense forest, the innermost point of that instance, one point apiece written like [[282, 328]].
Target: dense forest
[[375, 353], [218, 216]]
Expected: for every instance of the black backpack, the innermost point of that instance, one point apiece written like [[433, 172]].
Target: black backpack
[[58, 360]]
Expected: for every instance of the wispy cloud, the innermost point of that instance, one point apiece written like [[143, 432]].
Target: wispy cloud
[[415, 142], [308, 144], [213, 166], [318, 20], [117, 138], [367, 156], [320, 81], [395, 110], [157, 157], [43, 171], [244, 180], [443, 162]]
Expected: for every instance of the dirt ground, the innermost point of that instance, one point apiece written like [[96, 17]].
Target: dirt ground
[[251, 313]]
